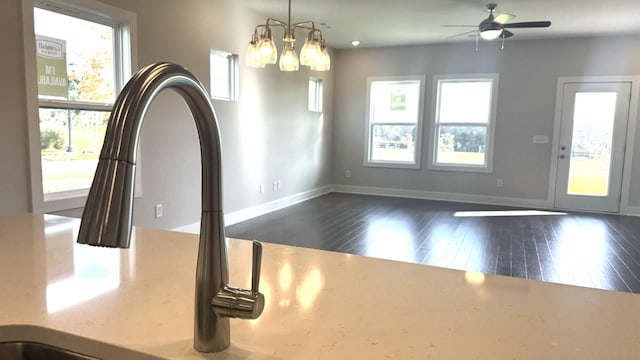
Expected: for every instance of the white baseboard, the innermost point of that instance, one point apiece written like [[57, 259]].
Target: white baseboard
[[255, 211], [632, 211], [251, 212], [191, 228], [455, 197]]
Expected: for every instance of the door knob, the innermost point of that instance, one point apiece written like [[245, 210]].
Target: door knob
[[563, 147], [561, 156]]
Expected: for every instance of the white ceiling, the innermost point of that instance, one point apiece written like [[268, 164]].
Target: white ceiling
[[398, 22]]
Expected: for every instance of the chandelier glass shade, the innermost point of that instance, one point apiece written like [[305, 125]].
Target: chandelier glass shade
[[262, 49]]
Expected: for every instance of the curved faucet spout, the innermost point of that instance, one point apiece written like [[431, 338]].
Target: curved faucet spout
[[107, 216]]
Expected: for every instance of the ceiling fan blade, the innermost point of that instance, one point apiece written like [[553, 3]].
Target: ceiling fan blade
[[528, 24], [503, 18], [506, 34], [462, 34]]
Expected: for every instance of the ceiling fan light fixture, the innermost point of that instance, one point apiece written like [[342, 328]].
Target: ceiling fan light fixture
[[490, 34], [494, 27]]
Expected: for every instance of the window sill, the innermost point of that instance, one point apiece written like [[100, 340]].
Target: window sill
[[393, 165], [459, 168], [59, 203]]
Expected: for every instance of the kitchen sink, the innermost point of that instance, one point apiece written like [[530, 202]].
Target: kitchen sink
[[26, 350]]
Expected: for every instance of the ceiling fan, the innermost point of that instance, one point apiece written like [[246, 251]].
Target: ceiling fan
[[494, 27]]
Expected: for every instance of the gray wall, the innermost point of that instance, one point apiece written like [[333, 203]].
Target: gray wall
[[268, 135], [526, 102], [14, 173]]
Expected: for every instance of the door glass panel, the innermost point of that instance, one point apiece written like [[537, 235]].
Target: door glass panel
[[590, 159]]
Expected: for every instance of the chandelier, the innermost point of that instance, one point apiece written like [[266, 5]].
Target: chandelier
[[262, 50]]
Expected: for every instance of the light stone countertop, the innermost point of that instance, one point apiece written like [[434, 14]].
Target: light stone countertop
[[137, 303]]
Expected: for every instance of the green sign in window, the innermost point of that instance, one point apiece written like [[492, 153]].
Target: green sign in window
[[52, 67], [398, 99]]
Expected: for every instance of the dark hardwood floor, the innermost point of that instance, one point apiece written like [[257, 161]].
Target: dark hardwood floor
[[592, 250]]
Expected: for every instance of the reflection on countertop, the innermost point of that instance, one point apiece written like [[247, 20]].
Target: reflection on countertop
[[77, 273]]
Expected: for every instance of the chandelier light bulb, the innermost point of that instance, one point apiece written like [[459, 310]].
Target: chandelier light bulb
[[309, 52], [254, 56], [323, 61], [268, 50], [289, 58]]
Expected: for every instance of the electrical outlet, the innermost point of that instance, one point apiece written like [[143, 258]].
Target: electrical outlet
[[275, 185], [499, 183], [261, 189], [279, 184], [347, 173], [159, 210]]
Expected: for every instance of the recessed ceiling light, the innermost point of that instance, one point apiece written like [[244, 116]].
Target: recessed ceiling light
[[355, 42]]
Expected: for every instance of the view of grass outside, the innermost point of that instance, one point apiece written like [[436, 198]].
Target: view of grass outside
[[460, 157], [588, 177], [70, 165]]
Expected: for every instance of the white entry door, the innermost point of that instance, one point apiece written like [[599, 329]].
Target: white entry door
[[591, 150]]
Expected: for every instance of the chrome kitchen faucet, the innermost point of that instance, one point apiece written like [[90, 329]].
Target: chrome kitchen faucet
[[107, 216]]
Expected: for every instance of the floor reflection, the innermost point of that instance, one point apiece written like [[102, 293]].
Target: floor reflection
[[389, 239], [593, 250], [581, 253]]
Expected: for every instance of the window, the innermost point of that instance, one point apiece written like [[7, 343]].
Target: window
[[224, 75], [81, 62], [464, 114], [394, 122], [315, 95]]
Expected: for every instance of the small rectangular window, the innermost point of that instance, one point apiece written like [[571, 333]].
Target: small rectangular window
[[463, 123], [315, 95], [394, 123], [224, 75]]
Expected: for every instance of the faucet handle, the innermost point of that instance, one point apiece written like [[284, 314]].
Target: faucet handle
[[238, 303], [241, 303], [256, 264]]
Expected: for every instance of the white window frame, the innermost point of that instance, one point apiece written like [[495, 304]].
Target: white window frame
[[487, 167], [232, 92], [368, 162], [315, 98], [125, 56]]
